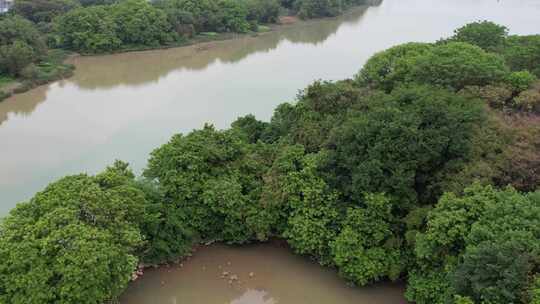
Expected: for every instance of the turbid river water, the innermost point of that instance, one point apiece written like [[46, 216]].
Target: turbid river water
[[277, 277], [123, 106]]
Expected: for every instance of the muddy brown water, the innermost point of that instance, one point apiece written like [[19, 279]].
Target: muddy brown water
[[278, 277], [123, 106]]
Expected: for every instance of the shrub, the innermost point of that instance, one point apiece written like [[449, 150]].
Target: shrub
[[520, 81]]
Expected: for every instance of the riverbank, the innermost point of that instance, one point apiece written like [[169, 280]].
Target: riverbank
[[52, 68], [56, 65]]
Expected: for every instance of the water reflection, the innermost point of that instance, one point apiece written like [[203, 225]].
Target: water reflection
[[136, 68], [252, 296], [145, 67], [25, 105]]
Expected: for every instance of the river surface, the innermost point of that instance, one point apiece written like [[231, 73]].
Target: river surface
[[123, 106], [277, 277]]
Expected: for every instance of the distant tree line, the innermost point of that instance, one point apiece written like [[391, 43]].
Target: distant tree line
[[34, 27], [419, 168]]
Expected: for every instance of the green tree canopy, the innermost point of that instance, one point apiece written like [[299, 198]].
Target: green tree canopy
[[488, 35], [43, 10], [75, 242], [20, 45], [483, 245], [138, 22], [90, 30], [402, 144], [453, 65]]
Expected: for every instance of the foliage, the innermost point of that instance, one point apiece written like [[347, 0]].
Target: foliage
[[488, 35], [20, 45], [366, 249], [453, 65], [403, 144], [314, 216], [232, 16], [523, 53], [528, 101], [253, 129], [456, 65], [138, 22], [15, 57], [216, 178], [320, 107], [263, 11], [387, 68], [90, 30], [43, 10], [483, 227], [520, 81], [75, 242], [318, 8]]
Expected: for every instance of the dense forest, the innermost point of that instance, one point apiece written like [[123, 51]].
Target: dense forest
[[425, 167]]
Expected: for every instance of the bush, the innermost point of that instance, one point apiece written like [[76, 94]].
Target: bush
[[520, 81], [529, 100]]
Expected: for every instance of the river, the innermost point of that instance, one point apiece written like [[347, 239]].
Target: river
[[267, 274], [123, 106]]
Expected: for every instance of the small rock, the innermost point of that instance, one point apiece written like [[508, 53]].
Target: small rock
[[225, 273], [251, 274], [234, 277]]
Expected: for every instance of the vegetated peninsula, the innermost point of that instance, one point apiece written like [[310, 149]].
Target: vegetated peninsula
[[37, 35], [424, 168]]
